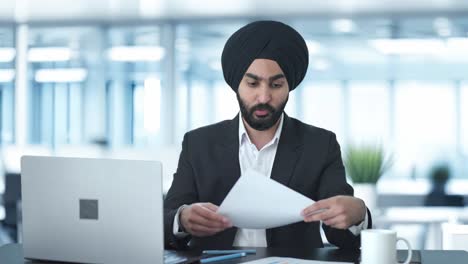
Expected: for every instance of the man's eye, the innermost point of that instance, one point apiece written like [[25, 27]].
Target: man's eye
[[252, 84], [277, 85]]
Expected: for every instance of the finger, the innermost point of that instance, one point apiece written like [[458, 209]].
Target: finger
[[211, 206], [210, 215], [329, 217], [320, 216], [336, 222], [200, 220], [207, 213], [330, 213], [319, 205]]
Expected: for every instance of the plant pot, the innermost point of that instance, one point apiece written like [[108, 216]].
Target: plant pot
[[368, 193]]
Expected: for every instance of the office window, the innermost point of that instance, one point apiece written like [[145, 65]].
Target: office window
[[205, 95], [424, 123], [181, 121], [62, 64], [94, 79], [369, 118], [146, 112], [464, 119], [323, 106], [201, 107], [61, 117], [57, 113], [7, 79], [135, 57], [75, 94], [226, 105], [292, 105], [6, 112]]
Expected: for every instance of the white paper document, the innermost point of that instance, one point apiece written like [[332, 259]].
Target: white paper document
[[278, 260], [258, 202]]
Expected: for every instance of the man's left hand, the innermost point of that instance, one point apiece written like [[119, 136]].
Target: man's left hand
[[338, 212]]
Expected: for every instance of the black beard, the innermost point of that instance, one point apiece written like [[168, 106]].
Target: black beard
[[265, 123]]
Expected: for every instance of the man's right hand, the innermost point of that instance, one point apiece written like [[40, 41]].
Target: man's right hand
[[201, 219]]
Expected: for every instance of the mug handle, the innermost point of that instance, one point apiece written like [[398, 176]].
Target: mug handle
[[410, 251]]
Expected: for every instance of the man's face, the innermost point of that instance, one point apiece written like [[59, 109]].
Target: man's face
[[263, 94]]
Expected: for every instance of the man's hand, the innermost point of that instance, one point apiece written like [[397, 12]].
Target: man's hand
[[201, 219], [338, 212]]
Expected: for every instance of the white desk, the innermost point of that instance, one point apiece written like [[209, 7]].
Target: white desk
[[431, 217]]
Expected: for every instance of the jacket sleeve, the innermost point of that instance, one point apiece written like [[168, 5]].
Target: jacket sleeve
[[183, 191], [332, 183]]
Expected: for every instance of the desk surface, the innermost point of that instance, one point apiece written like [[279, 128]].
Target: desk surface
[[13, 254]]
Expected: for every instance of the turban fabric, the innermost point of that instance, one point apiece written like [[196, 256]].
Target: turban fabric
[[265, 40]]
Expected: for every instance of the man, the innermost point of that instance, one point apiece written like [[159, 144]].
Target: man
[[262, 62]]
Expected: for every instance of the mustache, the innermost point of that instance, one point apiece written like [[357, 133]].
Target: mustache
[[267, 107]]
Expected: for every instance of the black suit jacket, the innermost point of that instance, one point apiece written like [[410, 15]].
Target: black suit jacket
[[308, 160]]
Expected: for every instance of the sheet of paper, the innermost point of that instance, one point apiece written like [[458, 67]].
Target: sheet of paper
[[258, 202], [278, 260]]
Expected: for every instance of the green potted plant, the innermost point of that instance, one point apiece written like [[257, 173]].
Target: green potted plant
[[365, 165]]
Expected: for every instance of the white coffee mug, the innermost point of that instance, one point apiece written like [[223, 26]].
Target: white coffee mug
[[379, 246]]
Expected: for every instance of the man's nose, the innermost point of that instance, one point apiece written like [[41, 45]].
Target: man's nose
[[264, 94]]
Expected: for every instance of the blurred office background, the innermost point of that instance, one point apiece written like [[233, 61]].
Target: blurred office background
[[127, 79]]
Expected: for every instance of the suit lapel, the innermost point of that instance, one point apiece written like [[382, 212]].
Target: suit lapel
[[228, 150], [287, 154]]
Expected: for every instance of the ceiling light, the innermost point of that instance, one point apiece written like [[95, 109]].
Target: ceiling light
[[343, 25], [216, 65], [151, 104], [7, 75], [7, 54], [314, 47], [408, 46], [60, 75], [136, 53], [49, 54], [321, 64]]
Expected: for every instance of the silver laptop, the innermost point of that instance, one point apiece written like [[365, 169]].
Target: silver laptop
[[92, 210]]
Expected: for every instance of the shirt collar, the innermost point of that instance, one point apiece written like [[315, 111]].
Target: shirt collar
[[243, 132]]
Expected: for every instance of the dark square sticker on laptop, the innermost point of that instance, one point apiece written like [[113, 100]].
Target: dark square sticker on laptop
[[89, 209]]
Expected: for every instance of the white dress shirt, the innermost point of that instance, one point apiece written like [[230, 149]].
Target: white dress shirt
[[262, 161]]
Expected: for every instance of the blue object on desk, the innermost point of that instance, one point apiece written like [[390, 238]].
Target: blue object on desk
[[225, 257], [219, 252]]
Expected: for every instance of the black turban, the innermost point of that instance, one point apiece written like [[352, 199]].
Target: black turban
[[265, 40]]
